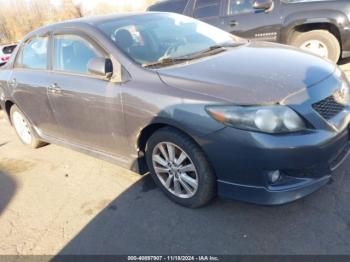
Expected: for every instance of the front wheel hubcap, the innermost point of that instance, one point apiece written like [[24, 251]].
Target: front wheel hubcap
[[315, 46], [22, 127], [175, 169]]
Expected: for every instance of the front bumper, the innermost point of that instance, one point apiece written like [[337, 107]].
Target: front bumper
[[270, 195], [288, 189], [242, 161]]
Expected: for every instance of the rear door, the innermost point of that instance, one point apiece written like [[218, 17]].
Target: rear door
[[87, 107], [243, 20], [29, 82]]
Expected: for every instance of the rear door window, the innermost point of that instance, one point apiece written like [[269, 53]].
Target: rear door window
[[7, 50], [175, 6], [206, 8], [33, 54]]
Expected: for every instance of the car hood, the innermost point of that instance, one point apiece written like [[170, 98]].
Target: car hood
[[250, 74]]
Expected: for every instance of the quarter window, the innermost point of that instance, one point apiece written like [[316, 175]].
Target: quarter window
[[33, 54], [7, 50], [206, 8], [72, 54], [240, 7]]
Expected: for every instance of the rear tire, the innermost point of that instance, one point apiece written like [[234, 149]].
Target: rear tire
[[24, 129], [320, 42], [189, 168]]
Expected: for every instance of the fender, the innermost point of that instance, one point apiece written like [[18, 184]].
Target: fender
[[322, 17]]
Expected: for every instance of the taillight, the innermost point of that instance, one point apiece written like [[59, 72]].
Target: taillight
[[5, 58]]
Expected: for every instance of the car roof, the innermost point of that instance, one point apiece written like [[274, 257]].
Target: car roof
[[90, 20], [105, 18]]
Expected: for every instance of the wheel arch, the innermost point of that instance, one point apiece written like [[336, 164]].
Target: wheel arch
[[140, 165], [327, 26], [308, 20], [150, 129], [8, 105]]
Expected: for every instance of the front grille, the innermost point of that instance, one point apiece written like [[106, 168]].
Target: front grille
[[328, 107]]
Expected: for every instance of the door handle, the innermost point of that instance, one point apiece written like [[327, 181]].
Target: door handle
[[13, 82], [54, 88], [233, 23]]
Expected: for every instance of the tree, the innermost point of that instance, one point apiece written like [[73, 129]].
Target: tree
[[19, 17]]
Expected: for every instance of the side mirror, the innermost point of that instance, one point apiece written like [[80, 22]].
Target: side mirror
[[263, 4], [100, 66]]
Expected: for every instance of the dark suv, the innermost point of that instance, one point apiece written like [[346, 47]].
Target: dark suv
[[321, 26]]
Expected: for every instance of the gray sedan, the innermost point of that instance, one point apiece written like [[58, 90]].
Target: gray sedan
[[203, 111]]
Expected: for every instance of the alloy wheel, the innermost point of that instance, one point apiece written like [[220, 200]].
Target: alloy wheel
[[175, 169]]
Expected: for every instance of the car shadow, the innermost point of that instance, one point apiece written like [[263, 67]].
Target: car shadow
[[3, 144], [7, 189], [143, 221]]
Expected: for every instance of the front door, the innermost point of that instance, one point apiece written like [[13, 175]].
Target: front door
[[243, 20], [208, 11], [87, 107]]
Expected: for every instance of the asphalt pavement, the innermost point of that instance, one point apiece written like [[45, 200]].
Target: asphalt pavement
[[57, 201]]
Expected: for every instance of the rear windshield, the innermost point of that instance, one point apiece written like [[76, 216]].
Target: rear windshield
[[7, 50], [174, 6]]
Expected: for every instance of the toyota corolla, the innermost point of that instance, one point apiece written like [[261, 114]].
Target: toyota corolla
[[205, 112]]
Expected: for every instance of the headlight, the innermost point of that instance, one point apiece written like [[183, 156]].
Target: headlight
[[268, 119]]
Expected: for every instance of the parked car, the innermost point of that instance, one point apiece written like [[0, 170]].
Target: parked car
[[5, 53], [204, 111], [322, 27]]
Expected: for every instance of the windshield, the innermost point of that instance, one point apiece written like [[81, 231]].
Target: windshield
[[153, 37]]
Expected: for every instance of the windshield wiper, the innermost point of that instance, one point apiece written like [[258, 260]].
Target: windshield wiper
[[166, 61], [212, 50], [221, 47]]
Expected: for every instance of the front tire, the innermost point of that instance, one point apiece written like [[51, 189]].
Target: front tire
[[320, 42], [180, 168], [23, 128]]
